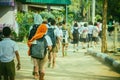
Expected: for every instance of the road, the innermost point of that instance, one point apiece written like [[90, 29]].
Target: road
[[74, 66]]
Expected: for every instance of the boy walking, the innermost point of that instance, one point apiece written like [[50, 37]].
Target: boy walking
[[8, 50]]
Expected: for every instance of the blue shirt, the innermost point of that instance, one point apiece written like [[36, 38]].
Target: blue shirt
[[7, 50]]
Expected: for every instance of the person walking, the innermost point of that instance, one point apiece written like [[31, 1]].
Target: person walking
[[84, 35], [95, 34], [66, 34], [76, 36], [8, 51], [37, 19], [40, 33], [53, 32], [90, 31]]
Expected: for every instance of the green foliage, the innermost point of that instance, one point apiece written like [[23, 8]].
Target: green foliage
[[45, 15], [98, 17], [25, 20]]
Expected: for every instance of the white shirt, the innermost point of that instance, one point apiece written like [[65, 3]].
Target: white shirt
[[7, 50], [90, 29], [49, 42]]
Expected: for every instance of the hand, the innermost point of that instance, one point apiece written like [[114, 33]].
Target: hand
[[18, 66]]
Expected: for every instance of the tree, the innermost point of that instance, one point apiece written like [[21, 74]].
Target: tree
[[104, 38]]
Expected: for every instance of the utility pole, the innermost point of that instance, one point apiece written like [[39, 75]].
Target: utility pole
[[93, 11]]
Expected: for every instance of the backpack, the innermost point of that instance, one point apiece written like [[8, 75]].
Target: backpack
[[38, 50], [33, 31], [75, 34], [51, 33], [65, 36], [95, 32], [84, 34]]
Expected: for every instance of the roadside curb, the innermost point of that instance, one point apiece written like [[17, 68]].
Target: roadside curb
[[105, 58]]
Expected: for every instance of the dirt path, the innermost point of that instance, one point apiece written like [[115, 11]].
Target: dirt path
[[74, 66]]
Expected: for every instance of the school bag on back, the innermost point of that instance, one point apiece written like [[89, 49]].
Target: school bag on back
[[95, 32], [51, 33], [84, 34], [38, 50], [65, 36], [33, 31], [75, 34]]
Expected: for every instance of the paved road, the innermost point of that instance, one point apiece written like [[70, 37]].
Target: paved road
[[74, 66]]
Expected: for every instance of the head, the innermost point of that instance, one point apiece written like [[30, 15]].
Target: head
[[75, 25], [95, 24], [49, 20], [53, 22], [85, 25], [90, 23], [64, 22], [6, 31]]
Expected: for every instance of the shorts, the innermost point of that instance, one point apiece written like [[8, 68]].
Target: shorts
[[89, 37], [7, 68], [95, 39], [41, 63], [75, 41], [83, 39], [54, 49]]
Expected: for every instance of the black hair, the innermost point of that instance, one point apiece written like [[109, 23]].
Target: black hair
[[6, 31], [75, 25], [95, 24], [64, 22], [53, 22], [60, 23], [85, 25], [90, 23], [49, 20]]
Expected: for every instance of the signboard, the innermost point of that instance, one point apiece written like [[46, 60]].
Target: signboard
[[7, 3]]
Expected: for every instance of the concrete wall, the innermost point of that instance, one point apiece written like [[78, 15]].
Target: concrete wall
[[6, 15]]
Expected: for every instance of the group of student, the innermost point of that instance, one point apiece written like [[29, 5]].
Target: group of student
[[44, 41], [88, 34], [56, 35]]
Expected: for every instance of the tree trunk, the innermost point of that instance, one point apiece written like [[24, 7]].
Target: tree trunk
[[104, 38]]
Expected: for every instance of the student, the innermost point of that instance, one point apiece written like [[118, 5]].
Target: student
[[75, 33], [37, 21], [60, 33], [84, 35], [41, 31], [8, 50], [66, 34], [90, 29], [95, 34], [53, 32]]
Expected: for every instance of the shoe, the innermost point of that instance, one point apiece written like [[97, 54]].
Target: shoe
[[36, 75]]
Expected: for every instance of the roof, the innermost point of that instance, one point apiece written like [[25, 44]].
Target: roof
[[51, 2]]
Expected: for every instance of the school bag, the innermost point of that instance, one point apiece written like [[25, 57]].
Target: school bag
[[38, 50], [95, 32], [84, 34], [75, 34], [52, 35], [33, 31], [65, 36]]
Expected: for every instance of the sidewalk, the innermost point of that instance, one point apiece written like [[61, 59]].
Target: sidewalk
[[74, 66]]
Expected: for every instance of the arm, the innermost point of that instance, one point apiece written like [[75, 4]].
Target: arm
[[18, 60]]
